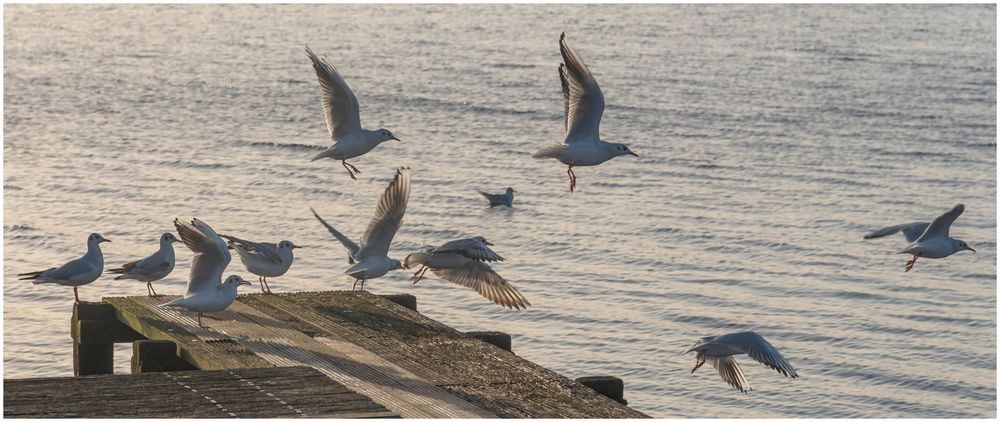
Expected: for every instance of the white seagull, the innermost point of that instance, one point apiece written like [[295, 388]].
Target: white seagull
[[929, 240], [584, 105], [506, 198], [463, 262], [150, 268], [719, 350], [343, 118], [80, 271], [370, 259], [205, 290], [264, 259]]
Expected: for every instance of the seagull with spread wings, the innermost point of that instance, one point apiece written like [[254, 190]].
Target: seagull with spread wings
[[371, 259], [719, 351], [928, 240], [343, 118], [464, 262], [584, 106], [206, 292]]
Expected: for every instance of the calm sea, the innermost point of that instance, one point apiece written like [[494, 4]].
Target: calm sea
[[771, 138]]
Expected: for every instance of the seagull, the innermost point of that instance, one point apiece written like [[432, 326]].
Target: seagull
[[463, 262], [263, 259], [150, 268], [584, 105], [928, 240], [506, 198], [719, 350], [80, 271], [370, 259], [343, 118], [205, 290]]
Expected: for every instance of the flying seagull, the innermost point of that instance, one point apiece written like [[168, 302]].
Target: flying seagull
[[80, 271], [370, 259], [719, 350], [151, 268], [584, 105], [928, 240], [463, 262], [343, 118]]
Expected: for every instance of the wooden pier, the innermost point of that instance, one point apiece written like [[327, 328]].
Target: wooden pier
[[383, 357]]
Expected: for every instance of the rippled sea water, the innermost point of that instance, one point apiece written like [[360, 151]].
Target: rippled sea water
[[771, 138]]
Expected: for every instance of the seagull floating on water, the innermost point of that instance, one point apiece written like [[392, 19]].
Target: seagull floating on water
[[584, 106], [151, 268], [463, 262], [343, 118], [506, 198], [80, 271], [370, 259], [929, 240], [719, 350], [205, 290], [264, 259]]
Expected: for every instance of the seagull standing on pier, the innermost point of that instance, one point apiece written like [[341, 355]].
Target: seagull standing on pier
[[343, 118], [151, 268], [80, 271], [506, 198], [205, 290], [719, 350], [264, 259], [584, 106], [929, 240], [463, 262], [370, 259]]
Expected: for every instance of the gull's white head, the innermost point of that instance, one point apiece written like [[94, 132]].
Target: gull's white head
[[287, 244], [510, 190], [96, 239], [168, 238], [235, 281], [622, 149], [384, 135], [481, 239], [959, 246]]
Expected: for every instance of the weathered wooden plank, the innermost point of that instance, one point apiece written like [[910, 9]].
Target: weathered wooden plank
[[248, 393], [283, 344]]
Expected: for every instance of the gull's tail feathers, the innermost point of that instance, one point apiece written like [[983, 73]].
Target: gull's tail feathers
[[550, 151]]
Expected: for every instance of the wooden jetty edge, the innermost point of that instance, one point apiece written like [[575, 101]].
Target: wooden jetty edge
[[394, 360]]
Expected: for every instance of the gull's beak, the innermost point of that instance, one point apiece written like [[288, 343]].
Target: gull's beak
[[396, 139], [104, 240], [488, 243], [968, 248], [296, 247], [246, 283], [634, 154]]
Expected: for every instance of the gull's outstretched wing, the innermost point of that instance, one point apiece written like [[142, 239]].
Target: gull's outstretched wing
[[911, 231], [388, 216], [481, 278], [584, 102], [940, 226], [340, 106], [730, 372], [352, 248], [211, 256], [469, 248], [268, 251], [759, 350]]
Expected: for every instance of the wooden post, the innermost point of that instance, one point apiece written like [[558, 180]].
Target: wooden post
[[497, 338], [157, 356], [91, 358], [608, 386], [404, 300]]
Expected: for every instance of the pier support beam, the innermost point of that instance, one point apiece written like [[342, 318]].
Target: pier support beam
[[90, 357], [497, 338], [157, 356], [608, 386], [405, 300]]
